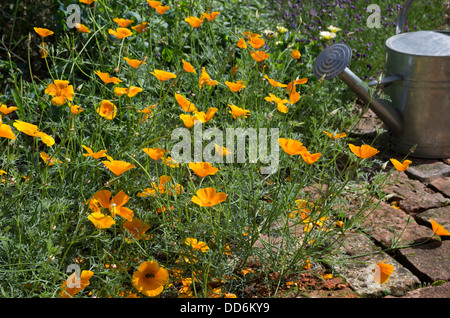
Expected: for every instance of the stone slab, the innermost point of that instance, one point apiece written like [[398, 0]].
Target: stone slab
[[440, 215], [413, 196], [388, 225], [359, 273], [442, 185], [430, 262], [440, 291], [428, 172]]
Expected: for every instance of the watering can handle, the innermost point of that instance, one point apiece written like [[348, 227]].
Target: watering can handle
[[402, 16]]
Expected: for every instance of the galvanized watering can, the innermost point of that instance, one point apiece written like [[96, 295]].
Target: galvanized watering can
[[417, 80]]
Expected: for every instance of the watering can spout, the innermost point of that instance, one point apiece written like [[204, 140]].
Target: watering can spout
[[382, 108], [333, 62]]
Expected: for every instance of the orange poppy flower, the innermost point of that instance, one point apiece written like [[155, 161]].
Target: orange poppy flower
[[120, 91], [81, 28], [185, 104], [194, 21], [256, 42], [105, 77], [291, 86], [310, 158], [49, 160], [120, 33], [235, 87], [196, 244], [438, 229], [136, 228], [107, 110], [140, 27], [117, 166], [43, 49], [201, 116], [259, 56], [114, 205], [33, 130], [188, 120], [162, 75], [133, 91], [5, 110], [274, 83], [296, 54], [100, 220], [280, 102], [335, 136], [162, 9], [154, 4], [43, 32], [87, 1], [222, 151], [133, 62], [6, 131], [208, 197], [291, 146], [150, 279], [205, 79], [401, 166], [73, 285], [160, 188], [95, 155], [210, 16], [203, 169], [62, 92], [241, 43], [154, 153], [382, 272], [238, 112], [365, 151], [188, 67], [123, 22], [294, 96], [75, 109]]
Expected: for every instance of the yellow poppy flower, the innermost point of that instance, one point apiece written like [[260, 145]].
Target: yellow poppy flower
[[61, 90], [73, 285], [194, 21], [401, 166], [33, 130], [201, 116], [208, 197], [222, 151], [365, 151], [291, 146], [238, 112], [6, 131], [43, 32], [162, 75], [120, 91], [203, 169], [114, 205], [196, 244], [150, 279], [120, 33], [118, 167], [106, 78], [205, 79], [100, 220], [107, 110], [188, 67]]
